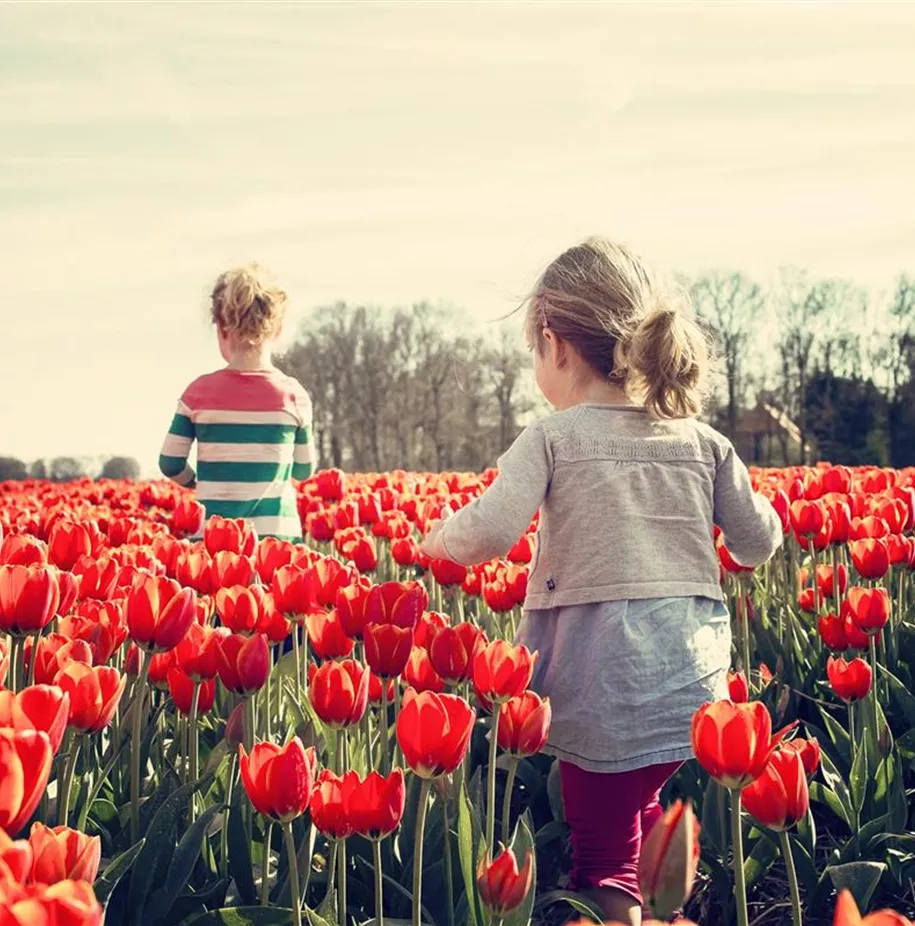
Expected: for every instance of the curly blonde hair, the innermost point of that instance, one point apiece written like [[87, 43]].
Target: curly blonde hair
[[604, 301], [247, 304]]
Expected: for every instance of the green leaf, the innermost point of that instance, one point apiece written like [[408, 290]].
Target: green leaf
[[470, 837], [837, 734], [182, 865], [242, 916], [313, 918], [760, 860], [114, 871], [715, 817], [860, 777], [578, 902], [159, 841], [209, 898], [240, 849], [901, 696], [826, 796], [522, 845], [554, 792], [861, 878]]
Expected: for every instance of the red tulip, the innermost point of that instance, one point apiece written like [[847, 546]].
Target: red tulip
[[399, 603], [278, 780], [669, 859], [405, 552], [159, 613], [419, 673], [198, 653], [15, 860], [330, 804], [832, 632], [433, 731], [524, 724], [25, 765], [45, 708], [330, 484], [230, 535], [339, 693], [238, 608], [871, 558], [67, 903], [388, 648], [293, 591], [738, 689], [22, 550], [779, 797], [326, 635], [68, 542], [453, 649], [61, 854], [851, 681], [94, 694], [854, 637], [502, 671], [807, 518], [29, 596], [351, 605], [870, 608], [447, 573], [244, 662], [502, 886], [377, 804], [52, 653], [181, 689], [230, 569], [733, 742], [808, 750], [97, 577], [375, 689], [188, 517], [271, 555]]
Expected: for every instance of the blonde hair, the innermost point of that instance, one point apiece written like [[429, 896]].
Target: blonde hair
[[248, 304], [604, 301]]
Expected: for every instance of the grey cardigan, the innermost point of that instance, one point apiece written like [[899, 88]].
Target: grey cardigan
[[627, 506]]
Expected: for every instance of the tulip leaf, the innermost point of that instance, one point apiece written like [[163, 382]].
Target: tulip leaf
[[804, 865], [470, 849], [114, 871], [159, 841], [182, 865], [715, 817], [240, 849], [760, 859], [826, 796], [901, 696], [208, 898], [837, 734], [578, 902], [242, 916], [836, 783], [861, 878], [523, 845], [313, 918], [860, 778]]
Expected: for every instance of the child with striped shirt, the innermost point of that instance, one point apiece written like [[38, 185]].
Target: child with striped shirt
[[252, 423]]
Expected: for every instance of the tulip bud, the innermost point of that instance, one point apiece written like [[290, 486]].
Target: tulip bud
[[670, 855], [235, 727], [501, 885]]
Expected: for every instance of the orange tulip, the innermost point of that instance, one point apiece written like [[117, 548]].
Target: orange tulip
[[25, 765], [847, 914], [502, 886], [524, 724], [38, 707], [95, 693], [669, 859], [61, 854], [733, 742], [15, 859]]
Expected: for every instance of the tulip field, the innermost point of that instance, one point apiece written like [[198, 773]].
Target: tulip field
[[244, 731]]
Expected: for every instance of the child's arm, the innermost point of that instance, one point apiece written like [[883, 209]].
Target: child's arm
[[177, 447], [751, 527], [303, 460], [491, 524]]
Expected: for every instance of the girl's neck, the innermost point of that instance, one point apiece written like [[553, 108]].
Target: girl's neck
[[250, 359], [597, 392]]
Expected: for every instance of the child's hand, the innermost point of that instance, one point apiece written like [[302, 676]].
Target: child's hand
[[432, 544]]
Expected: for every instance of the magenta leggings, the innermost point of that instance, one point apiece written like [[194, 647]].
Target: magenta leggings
[[608, 813]]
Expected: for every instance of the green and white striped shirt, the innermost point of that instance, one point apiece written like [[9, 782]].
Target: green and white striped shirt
[[253, 434]]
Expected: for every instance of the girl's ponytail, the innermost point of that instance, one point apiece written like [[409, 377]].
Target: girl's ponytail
[[667, 360]]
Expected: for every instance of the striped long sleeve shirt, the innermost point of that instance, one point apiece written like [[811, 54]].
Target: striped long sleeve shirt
[[253, 435]]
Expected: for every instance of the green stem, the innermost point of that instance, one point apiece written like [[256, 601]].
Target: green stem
[[385, 741], [294, 894], [740, 884], [67, 783], [449, 865], [418, 851], [136, 744], [785, 843], [851, 731], [379, 883], [224, 833], [507, 800], [97, 784], [367, 733], [16, 661], [34, 659], [194, 762], [744, 632], [265, 865], [297, 656], [491, 778], [341, 882], [872, 645]]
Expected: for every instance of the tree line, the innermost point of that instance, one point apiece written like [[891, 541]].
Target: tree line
[[424, 388]]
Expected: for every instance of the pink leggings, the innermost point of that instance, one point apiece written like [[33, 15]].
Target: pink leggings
[[608, 814]]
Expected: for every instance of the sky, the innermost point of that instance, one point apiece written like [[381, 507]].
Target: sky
[[389, 153]]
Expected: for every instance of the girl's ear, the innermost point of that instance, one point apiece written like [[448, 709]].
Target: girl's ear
[[555, 347]]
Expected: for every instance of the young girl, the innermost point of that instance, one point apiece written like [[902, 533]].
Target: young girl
[[252, 423], [624, 603]]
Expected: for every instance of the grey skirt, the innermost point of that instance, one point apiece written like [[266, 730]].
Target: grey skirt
[[624, 678]]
